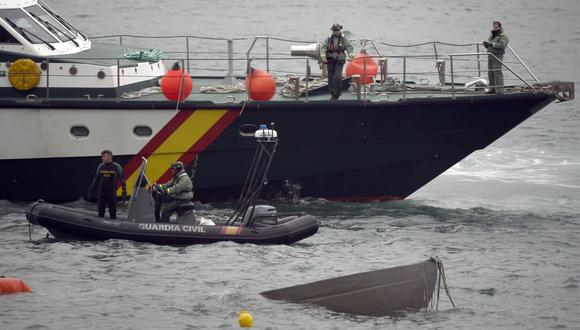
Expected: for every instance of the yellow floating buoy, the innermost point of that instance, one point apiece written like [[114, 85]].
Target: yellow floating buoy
[[24, 74], [9, 285], [245, 319]]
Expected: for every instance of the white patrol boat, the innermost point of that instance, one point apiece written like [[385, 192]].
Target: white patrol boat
[[65, 98]]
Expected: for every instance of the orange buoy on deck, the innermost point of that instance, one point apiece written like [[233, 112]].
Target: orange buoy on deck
[[260, 85], [174, 81], [361, 62], [9, 285]]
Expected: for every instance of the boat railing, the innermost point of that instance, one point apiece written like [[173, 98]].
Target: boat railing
[[434, 68]]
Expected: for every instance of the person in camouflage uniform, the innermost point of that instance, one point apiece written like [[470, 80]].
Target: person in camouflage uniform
[[176, 192], [496, 45], [332, 54]]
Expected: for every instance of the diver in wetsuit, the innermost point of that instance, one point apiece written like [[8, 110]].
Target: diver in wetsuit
[[173, 193], [108, 172]]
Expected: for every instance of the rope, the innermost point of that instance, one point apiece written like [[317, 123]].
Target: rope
[[243, 107], [152, 55], [289, 90], [444, 278], [223, 89], [193, 172], [142, 92], [425, 297]]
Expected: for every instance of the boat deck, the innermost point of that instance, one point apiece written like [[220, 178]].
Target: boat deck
[[219, 78], [375, 92]]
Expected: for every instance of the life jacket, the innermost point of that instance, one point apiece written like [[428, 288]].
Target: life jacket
[[339, 49]]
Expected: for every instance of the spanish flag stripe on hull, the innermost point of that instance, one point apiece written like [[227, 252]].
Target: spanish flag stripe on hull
[[213, 133], [156, 141], [229, 230], [182, 138]]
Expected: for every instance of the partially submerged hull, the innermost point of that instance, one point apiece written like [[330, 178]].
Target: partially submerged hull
[[77, 224], [373, 293], [347, 150]]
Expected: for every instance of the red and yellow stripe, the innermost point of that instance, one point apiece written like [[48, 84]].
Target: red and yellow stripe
[[229, 230], [183, 137]]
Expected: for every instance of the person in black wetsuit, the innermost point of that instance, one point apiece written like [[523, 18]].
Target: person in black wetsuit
[[105, 181]]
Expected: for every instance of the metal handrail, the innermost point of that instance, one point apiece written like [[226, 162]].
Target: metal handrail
[[455, 59], [522, 63], [363, 41], [256, 38], [501, 62]]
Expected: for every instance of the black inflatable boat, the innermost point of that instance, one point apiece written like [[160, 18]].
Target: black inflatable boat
[[250, 223], [76, 224]]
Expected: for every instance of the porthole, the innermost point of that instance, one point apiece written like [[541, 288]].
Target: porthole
[[248, 129], [101, 74], [79, 131], [73, 70], [142, 131]]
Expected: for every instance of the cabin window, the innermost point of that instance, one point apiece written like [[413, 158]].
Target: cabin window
[[248, 129], [27, 27], [79, 131], [142, 131], [50, 23], [63, 22], [6, 37]]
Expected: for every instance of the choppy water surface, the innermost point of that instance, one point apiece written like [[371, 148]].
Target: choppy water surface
[[506, 221]]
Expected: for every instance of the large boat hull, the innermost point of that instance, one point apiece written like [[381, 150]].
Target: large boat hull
[[348, 150]]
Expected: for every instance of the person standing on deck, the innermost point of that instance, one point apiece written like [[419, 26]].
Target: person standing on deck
[[496, 45], [332, 54], [108, 172]]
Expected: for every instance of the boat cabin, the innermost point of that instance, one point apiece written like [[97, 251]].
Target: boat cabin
[[41, 54]]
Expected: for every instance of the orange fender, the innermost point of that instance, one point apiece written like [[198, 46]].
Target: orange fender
[[174, 81], [261, 85], [9, 285]]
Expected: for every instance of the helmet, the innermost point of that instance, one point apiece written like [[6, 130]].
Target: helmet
[[336, 27], [177, 166]]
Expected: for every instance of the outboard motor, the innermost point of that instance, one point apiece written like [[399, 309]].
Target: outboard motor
[[264, 214], [246, 213]]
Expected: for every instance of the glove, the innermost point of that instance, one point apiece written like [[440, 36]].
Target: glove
[[160, 189], [350, 58], [124, 197], [155, 189], [485, 44], [324, 60]]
